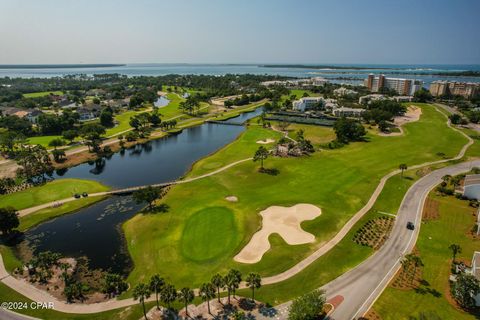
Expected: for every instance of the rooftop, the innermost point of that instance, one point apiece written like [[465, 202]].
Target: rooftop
[[472, 179]]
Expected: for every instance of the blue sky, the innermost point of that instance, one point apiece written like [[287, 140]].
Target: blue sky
[[241, 31]]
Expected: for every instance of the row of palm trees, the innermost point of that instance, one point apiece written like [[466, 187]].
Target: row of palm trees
[[407, 262], [167, 294]]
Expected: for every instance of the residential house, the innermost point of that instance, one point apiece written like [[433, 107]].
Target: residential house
[[89, 112], [30, 115], [344, 92], [475, 271]]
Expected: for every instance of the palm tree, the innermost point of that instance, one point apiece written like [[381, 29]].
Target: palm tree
[[254, 281], [219, 282], [156, 285], [207, 292], [406, 262], [168, 294], [261, 154], [237, 278], [140, 293], [456, 249], [403, 167], [417, 262], [186, 295], [229, 281]]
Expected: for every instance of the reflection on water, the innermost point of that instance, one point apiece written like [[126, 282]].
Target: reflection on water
[[95, 233]]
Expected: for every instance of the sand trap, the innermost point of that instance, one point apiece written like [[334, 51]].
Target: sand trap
[[413, 114], [231, 198], [282, 220], [266, 141]]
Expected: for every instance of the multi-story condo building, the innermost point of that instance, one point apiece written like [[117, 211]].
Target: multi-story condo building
[[465, 89], [402, 86]]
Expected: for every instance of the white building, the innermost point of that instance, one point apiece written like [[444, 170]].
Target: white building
[[344, 92], [348, 112], [307, 103], [371, 97], [471, 187]]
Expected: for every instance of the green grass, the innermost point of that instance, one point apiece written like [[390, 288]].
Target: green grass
[[42, 140], [204, 230], [41, 94], [51, 191], [28, 221], [338, 181], [455, 222], [167, 112]]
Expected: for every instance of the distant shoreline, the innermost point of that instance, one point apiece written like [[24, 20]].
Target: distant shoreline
[[58, 66], [305, 66]]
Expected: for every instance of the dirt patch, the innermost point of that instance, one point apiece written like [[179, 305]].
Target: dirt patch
[[231, 199], [285, 221], [430, 210], [266, 141], [220, 310], [374, 232], [413, 114]]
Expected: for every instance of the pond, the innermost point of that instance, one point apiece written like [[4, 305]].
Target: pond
[[95, 231]]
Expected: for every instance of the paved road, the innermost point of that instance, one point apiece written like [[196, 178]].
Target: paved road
[[362, 285]]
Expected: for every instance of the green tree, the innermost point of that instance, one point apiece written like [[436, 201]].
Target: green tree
[[186, 295], [106, 118], [148, 195], [140, 293], [417, 262], [8, 220], [260, 155], [58, 155], [56, 143], [113, 284], [207, 292], [465, 289], [92, 132], [307, 307], [402, 168], [422, 95], [219, 282], [168, 294], [254, 281], [156, 285], [348, 130], [456, 249], [70, 135], [34, 162]]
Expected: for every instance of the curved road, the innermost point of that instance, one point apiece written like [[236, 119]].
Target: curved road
[[361, 286]]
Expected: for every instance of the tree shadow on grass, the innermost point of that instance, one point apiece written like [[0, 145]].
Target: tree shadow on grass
[[161, 208], [426, 289], [269, 171]]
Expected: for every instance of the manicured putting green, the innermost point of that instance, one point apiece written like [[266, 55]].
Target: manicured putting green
[[208, 234]]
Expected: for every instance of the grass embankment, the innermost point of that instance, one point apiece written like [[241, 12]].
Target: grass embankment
[[41, 94], [338, 181], [454, 224], [51, 191]]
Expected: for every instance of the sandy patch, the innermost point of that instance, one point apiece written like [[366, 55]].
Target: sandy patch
[[413, 114], [231, 198], [284, 221], [221, 101], [266, 141]]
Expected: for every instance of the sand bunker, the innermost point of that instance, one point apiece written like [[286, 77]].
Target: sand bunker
[[266, 141], [282, 220], [413, 114], [231, 198]]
